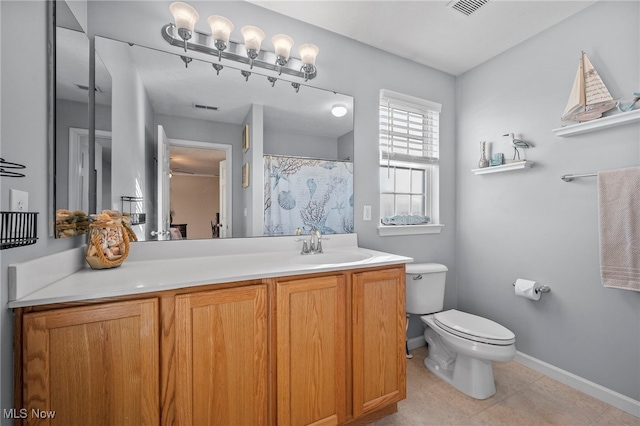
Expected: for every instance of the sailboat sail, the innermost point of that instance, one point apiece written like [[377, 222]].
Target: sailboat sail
[[589, 96], [576, 98], [596, 91]]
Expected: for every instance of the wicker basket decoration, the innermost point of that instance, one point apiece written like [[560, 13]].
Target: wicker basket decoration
[[108, 241]]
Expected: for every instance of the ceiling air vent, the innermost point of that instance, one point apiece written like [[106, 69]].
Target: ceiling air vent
[[209, 107], [467, 7]]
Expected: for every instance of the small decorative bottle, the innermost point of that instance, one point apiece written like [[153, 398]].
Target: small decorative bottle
[[483, 158]]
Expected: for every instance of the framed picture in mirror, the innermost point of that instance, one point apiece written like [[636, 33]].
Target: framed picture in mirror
[[245, 138], [245, 175]]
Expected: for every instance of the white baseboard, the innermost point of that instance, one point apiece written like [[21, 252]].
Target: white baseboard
[[416, 342], [606, 395], [612, 398]]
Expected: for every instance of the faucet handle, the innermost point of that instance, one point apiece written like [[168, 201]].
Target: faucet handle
[[305, 247]]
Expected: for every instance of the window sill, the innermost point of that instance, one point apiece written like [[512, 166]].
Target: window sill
[[392, 230]]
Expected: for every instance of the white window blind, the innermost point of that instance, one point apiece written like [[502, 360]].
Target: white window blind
[[409, 128]]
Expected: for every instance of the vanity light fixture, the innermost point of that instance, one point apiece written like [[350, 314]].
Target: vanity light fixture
[[185, 18], [308, 53], [339, 111], [217, 67], [282, 44], [221, 29], [253, 38], [182, 33]]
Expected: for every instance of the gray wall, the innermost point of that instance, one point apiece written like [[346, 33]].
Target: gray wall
[[279, 142], [23, 139], [133, 133], [529, 223]]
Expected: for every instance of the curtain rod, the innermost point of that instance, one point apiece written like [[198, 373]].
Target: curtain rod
[[346, 160]]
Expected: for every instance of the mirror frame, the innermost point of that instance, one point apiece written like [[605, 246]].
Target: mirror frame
[[51, 116]]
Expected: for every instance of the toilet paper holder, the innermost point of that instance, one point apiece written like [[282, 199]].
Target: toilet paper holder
[[542, 289]]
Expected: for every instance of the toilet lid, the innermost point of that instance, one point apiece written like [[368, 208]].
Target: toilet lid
[[474, 327]]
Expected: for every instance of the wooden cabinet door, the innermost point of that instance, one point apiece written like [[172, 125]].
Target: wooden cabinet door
[[93, 365], [221, 357], [378, 319], [310, 355]]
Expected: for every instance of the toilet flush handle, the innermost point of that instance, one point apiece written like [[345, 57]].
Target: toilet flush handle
[[417, 277]]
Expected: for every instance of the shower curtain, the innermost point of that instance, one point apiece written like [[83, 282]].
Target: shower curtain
[[307, 194]]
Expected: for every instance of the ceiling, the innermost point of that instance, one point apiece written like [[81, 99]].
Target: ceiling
[[431, 32]]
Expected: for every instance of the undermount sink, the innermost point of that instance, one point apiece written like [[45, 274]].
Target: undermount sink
[[332, 257]]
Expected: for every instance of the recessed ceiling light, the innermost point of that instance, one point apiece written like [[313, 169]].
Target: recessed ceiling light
[[339, 110]]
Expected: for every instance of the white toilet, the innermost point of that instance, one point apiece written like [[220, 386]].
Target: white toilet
[[462, 347]]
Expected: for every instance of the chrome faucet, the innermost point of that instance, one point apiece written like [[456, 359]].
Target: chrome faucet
[[316, 241], [313, 245]]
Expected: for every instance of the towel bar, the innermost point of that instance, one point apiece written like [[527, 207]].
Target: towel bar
[[569, 178]]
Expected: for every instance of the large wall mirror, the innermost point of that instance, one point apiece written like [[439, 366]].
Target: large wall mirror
[[183, 148]]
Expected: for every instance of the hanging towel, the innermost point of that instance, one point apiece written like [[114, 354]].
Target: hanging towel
[[619, 211]]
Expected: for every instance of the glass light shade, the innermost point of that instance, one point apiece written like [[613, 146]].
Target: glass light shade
[[253, 37], [221, 27], [184, 15], [308, 53], [282, 44], [339, 110]]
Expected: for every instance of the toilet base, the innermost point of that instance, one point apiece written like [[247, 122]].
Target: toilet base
[[471, 376]]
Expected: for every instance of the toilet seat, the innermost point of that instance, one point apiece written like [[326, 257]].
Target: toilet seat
[[473, 327]]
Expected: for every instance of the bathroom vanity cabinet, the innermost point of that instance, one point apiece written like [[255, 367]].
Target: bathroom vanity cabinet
[[324, 348], [84, 364], [220, 357]]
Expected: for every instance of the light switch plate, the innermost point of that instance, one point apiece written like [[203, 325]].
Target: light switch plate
[[366, 215], [18, 201]]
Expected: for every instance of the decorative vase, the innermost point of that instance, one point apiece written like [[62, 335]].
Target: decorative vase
[[483, 158]]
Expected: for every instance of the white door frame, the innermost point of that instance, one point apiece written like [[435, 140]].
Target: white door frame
[[77, 185], [227, 148], [163, 174]]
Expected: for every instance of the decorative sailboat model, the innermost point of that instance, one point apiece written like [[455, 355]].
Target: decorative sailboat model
[[589, 96]]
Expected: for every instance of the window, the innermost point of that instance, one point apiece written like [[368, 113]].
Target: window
[[409, 164]]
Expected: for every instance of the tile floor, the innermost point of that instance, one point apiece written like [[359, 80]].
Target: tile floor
[[524, 397]]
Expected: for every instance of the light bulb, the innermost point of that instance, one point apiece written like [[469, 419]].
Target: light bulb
[[308, 53], [253, 37], [282, 44], [221, 28], [185, 16]]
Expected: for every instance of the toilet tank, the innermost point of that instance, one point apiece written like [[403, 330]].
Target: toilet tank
[[425, 287]]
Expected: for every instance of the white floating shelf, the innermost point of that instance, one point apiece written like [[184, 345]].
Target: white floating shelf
[[503, 168], [599, 123]]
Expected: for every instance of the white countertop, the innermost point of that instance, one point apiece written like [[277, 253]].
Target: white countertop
[[139, 275]]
